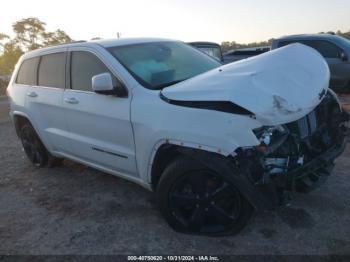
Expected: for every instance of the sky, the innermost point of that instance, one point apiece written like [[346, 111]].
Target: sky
[[242, 21]]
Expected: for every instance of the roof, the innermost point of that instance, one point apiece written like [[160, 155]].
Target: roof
[[105, 43], [128, 41]]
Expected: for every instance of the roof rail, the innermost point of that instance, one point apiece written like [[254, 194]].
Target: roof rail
[[68, 43]]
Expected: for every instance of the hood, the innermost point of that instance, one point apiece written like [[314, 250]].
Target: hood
[[279, 86]]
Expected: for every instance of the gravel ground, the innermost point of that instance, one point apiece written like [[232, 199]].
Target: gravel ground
[[73, 209]]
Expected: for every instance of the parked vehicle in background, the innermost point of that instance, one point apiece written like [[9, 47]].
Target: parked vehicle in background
[[239, 54], [215, 142], [336, 51], [210, 48]]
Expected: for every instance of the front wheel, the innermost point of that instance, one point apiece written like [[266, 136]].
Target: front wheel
[[195, 199]]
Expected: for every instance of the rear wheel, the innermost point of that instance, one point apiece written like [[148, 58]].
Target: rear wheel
[[33, 147], [194, 199]]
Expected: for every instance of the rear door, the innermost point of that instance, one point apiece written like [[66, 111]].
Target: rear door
[[44, 101], [99, 125]]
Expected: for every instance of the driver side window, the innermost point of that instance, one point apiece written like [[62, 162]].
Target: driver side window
[[85, 65]]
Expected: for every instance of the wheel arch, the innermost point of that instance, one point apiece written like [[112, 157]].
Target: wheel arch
[[167, 150], [19, 119], [221, 163]]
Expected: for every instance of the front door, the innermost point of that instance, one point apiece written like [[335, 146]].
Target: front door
[[99, 125]]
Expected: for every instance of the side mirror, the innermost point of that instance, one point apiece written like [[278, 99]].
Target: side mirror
[[102, 84], [343, 56]]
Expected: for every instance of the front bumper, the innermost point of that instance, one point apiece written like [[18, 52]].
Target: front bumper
[[314, 173], [301, 179], [305, 177]]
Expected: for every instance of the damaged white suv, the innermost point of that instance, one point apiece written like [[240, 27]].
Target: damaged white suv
[[215, 142]]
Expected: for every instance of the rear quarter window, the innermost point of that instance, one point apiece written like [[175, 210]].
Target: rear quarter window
[[27, 72]]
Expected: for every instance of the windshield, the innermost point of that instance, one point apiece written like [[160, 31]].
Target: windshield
[[160, 64]]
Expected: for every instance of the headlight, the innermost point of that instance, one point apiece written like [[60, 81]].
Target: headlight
[[264, 134]]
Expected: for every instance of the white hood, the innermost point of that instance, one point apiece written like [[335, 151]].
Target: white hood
[[279, 86]]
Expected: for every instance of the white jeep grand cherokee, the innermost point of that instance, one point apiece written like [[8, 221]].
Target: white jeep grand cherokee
[[215, 142]]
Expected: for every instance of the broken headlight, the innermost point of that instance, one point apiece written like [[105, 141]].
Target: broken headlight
[[265, 133], [270, 138]]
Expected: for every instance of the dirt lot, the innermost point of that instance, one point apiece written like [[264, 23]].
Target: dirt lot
[[73, 209]]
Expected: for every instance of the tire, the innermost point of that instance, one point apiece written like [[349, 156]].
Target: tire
[[196, 200], [33, 147]]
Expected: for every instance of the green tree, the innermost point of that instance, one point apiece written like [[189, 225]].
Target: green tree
[[3, 37], [12, 52], [56, 37], [29, 33], [226, 46]]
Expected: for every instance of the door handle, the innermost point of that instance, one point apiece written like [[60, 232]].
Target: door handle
[[71, 100], [32, 94]]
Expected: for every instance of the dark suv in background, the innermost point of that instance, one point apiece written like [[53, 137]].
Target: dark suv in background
[[210, 48], [243, 53], [335, 50]]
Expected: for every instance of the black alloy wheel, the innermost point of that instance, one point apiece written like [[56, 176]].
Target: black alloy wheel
[[202, 202]]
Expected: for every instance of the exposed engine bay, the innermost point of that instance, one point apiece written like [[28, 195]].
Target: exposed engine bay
[[297, 156]]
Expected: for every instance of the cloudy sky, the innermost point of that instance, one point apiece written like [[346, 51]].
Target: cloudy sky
[[218, 20]]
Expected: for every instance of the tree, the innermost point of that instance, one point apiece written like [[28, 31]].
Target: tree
[[12, 52], [29, 33], [345, 34], [2, 38], [233, 45], [56, 37]]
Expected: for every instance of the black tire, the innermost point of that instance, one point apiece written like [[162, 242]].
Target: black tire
[[196, 200], [33, 147]]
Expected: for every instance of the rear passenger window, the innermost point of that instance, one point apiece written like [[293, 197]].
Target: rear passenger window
[[27, 72], [84, 66], [52, 70]]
